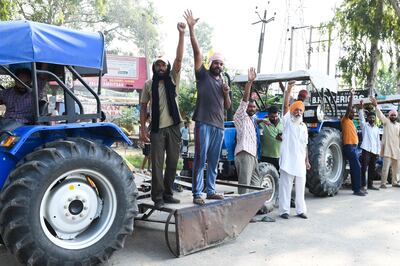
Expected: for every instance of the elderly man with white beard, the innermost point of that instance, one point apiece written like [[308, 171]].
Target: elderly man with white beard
[[294, 161], [390, 148]]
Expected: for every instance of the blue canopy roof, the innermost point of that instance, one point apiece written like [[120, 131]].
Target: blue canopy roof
[[26, 41]]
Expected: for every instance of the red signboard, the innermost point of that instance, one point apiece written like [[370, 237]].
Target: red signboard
[[123, 72]]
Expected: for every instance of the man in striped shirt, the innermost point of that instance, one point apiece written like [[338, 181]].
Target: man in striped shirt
[[246, 138]]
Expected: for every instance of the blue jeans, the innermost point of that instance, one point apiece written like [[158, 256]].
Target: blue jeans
[[208, 143], [350, 153]]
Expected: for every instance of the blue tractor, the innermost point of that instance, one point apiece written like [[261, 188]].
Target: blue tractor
[[66, 198]]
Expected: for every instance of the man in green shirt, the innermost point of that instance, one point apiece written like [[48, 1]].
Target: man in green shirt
[[271, 138]]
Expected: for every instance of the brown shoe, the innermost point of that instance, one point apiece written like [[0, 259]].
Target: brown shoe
[[198, 201], [383, 186], [395, 185], [216, 196]]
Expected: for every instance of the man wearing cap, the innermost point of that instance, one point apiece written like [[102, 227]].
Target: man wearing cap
[[162, 94], [212, 99], [302, 96], [350, 143], [390, 148], [370, 147], [294, 161]]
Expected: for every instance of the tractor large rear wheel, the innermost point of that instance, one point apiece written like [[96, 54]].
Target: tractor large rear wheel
[[327, 163], [71, 202]]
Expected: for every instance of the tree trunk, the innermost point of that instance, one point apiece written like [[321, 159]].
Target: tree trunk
[[374, 47], [396, 6]]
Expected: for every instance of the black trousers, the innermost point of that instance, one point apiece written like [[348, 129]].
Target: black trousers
[[164, 145], [368, 160]]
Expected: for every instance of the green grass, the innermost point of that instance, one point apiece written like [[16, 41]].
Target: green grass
[[136, 161]]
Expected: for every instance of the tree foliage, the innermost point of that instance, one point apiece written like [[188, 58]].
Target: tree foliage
[[6, 9], [369, 32], [126, 20]]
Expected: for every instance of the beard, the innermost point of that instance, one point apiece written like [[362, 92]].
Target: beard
[[215, 71], [296, 119]]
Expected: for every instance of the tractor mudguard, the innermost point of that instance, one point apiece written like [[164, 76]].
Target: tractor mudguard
[[30, 137]]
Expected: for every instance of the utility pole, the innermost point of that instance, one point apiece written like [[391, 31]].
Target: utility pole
[[291, 45], [310, 49], [264, 21], [329, 51]]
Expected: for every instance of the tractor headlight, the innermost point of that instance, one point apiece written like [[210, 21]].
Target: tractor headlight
[[320, 114]]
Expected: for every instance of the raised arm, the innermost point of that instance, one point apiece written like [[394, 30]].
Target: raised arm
[[379, 113], [361, 114], [286, 99], [191, 21], [251, 76], [350, 104], [179, 50]]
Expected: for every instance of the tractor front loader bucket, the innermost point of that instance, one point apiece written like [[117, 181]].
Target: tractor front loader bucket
[[200, 227]]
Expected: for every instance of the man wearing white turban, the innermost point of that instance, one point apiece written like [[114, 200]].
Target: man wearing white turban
[[390, 148]]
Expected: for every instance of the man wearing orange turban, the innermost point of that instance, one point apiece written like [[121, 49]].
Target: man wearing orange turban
[[297, 105], [294, 158]]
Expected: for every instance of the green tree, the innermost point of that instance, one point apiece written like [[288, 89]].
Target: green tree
[[187, 99], [126, 20], [6, 9], [368, 30], [386, 82]]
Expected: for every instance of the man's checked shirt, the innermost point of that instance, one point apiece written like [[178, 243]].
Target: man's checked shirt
[[19, 107]]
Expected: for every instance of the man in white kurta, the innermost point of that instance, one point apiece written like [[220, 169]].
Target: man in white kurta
[[390, 148], [294, 160]]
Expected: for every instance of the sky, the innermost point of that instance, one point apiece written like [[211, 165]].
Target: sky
[[238, 40]]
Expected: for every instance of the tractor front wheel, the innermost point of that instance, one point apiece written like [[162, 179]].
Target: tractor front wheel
[[71, 202], [269, 180]]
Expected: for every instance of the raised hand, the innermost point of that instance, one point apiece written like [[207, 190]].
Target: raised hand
[[190, 20], [291, 84], [361, 104], [373, 101], [181, 27], [251, 74]]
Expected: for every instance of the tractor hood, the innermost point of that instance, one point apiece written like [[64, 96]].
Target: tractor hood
[[319, 80]]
